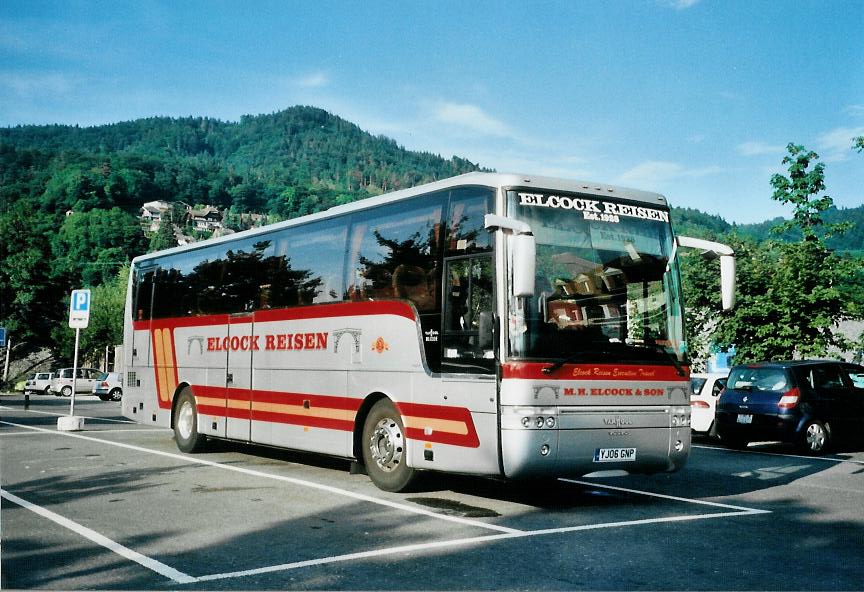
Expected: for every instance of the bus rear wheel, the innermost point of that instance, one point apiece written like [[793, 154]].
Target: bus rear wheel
[[186, 424], [384, 448]]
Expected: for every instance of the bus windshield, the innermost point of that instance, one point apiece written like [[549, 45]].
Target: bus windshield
[[607, 285]]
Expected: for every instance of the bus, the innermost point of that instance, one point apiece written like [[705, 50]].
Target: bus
[[487, 324]]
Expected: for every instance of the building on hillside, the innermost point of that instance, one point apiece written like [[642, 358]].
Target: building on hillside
[[207, 218], [152, 213]]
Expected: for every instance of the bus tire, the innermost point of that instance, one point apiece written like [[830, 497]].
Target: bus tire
[[384, 448], [186, 424]]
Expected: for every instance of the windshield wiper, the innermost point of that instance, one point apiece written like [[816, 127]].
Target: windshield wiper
[[568, 360]]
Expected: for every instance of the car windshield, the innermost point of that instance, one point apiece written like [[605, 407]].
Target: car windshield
[[607, 282], [760, 379]]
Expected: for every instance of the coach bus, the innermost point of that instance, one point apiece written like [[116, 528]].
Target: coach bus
[[487, 324]]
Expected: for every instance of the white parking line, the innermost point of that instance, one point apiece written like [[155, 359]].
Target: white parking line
[[143, 560], [739, 509], [292, 480], [390, 551], [62, 414], [127, 431], [749, 451]]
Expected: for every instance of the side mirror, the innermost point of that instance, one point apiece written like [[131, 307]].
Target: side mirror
[[524, 260], [727, 281], [712, 249], [523, 252]]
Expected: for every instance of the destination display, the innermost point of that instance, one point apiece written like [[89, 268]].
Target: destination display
[[592, 209]]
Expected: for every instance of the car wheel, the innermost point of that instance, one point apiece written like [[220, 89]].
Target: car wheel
[[47, 391], [186, 424], [66, 391], [384, 448], [115, 394], [815, 437]]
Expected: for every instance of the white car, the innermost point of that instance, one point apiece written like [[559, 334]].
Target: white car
[[62, 383], [109, 386], [706, 389], [39, 383]]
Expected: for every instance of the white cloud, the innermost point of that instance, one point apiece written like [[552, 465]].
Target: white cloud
[[30, 85], [836, 145], [472, 118], [681, 4], [314, 80], [759, 149], [654, 174], [854, 110]]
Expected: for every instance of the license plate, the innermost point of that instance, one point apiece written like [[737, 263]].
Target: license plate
[[614, 454], [742, 418]]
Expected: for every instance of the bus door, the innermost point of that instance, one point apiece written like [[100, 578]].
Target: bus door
[[142, 304], [238, 378]]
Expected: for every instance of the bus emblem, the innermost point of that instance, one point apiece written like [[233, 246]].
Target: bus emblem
[[380, 346]]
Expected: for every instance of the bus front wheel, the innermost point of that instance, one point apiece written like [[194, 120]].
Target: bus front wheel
[[384, 448], [186, 424]]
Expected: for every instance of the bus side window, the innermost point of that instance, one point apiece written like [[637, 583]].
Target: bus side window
[[468, 307]]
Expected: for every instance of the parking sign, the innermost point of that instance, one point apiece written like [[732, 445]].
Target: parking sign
[[79, 309], [2, 336]]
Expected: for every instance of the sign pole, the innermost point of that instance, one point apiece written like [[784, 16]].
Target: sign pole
[[74, 373], [6, 365]]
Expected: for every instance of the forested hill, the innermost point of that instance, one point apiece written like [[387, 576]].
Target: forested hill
[[288, 163], [695, 223]]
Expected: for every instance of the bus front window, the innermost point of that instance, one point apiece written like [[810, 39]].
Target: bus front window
[[605, 285]]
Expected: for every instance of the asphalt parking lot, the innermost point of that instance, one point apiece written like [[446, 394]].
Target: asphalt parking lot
[[117, 506]]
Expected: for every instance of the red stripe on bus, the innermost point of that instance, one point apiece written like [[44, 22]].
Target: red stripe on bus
[[460, 414], [534, 371], [319, 311], [416, 410]]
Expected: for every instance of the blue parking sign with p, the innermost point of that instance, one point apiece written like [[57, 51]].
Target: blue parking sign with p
[[79, 309], [81, 300]]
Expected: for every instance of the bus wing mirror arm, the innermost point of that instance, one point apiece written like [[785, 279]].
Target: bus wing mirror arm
[[523, 252], [712, 250]]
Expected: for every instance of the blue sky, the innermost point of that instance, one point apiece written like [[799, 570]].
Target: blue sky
[[696, 99]]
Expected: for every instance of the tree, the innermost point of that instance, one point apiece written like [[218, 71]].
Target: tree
[[105, 328], [790, 303], [164, 237]]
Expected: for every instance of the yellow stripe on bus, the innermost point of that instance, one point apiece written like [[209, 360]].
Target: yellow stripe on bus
[[318, 412], [159, 362], [436, 425], [170, 376]]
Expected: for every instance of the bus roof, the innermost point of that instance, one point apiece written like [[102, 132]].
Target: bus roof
[[492, 180]]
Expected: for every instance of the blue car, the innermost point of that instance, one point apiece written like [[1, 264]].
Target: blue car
[[806, 402]]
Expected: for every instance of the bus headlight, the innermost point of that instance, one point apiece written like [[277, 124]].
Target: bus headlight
[[540, 422], [550, 422], [526, 422]]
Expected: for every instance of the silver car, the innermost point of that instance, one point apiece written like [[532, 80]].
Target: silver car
[[109, 386], [62, 383]]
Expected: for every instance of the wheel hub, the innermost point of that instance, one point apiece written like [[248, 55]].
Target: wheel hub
[[815, 437], [386, 445], [185, 417]]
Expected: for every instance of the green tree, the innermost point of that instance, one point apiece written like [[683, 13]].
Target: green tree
[[105, 328], [164, 237], [789, 298], [29, 302]]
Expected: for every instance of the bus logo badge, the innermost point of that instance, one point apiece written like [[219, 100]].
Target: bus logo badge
[[380, 346]]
